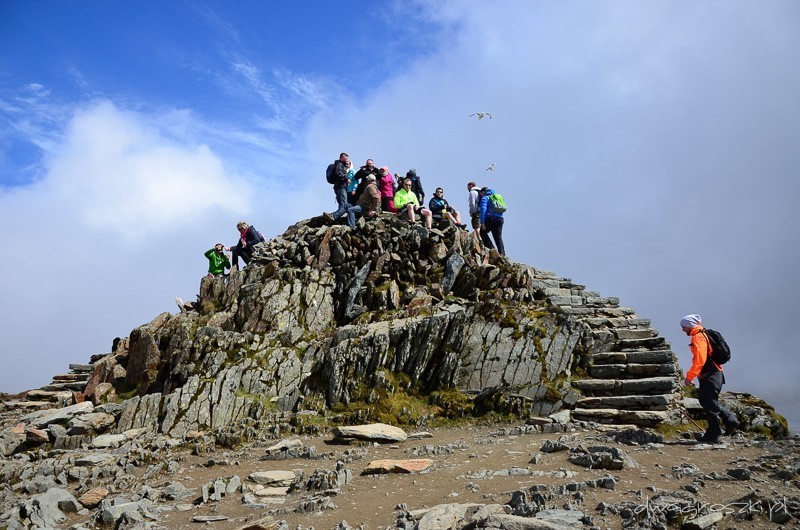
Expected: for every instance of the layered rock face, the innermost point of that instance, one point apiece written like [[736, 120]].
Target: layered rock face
[[325, 313]]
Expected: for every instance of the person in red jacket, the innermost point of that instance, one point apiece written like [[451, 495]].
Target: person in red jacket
[[710, 377]]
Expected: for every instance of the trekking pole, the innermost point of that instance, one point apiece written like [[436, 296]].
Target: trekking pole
[[686, 413]]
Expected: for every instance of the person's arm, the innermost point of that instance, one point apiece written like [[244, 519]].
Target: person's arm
[[699, 349], [484, 204], [208, 253]]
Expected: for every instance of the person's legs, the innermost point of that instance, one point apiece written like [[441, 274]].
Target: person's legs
[[457, 217], [341, 201], [495, 226], [475, 218], [410, 210], [352, 213], [235, 253], [485, 236], [428, 217], [708, 395]]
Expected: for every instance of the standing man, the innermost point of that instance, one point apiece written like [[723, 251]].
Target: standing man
[[339, 187], [416, 185], [491, 222], [474, 205], [711, 379]]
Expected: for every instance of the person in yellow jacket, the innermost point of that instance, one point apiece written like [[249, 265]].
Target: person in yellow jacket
[[710, 378], [407, 204]]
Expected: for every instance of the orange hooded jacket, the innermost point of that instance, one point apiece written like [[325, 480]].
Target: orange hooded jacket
[[700, 349]]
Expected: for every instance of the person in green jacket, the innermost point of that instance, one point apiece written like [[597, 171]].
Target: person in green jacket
[[217, 261], [407, 204]]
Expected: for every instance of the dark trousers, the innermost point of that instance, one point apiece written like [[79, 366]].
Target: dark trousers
[[494, 225], [708, 395], [240, 251]]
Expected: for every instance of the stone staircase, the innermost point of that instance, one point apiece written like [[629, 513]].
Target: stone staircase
[[631, 374], [60, 392]]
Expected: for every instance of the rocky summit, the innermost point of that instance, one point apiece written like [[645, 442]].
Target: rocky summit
[[354, 332]]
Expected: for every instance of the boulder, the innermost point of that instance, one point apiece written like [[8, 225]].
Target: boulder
[[374, 432], [397, 466]]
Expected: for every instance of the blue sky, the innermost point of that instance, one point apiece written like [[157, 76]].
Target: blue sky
[[646, 149]]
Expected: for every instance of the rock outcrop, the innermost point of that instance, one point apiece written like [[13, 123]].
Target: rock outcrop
[[327, 318]]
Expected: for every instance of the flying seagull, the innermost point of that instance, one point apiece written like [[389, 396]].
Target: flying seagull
[[480, 115], [490, 168]]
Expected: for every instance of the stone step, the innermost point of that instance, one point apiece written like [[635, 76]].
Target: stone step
[[638, 357], [629, 371], [24, 404], [71, 377], [50, 395], [81, 368], [654, 402], [626, 387], [618, 322], [78, 386], [650, 343], [644, 418], [640, 333]]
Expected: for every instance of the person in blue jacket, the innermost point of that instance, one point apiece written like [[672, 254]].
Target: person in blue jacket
[[491, 222]]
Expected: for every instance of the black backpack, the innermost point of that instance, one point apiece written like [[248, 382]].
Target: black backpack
[[330, 176], [720, 351]]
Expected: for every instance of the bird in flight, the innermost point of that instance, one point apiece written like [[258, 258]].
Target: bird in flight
[[490, 168], [480, 115]]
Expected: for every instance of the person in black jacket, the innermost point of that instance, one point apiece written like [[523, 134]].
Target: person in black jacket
[[339, 188], [441, 209], [361, 176], [416, 185], [248, 238]]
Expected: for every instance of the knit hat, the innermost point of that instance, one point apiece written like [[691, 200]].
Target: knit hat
[[691, 321]]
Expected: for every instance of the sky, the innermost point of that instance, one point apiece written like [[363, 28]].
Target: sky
[[647, 150]]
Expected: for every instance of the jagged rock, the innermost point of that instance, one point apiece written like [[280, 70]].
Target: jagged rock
[[114, 511], [105, 441], [47, 510], [515, 522], [43, 418], [93, 497], [292, 445], [90, 423], [11, 442], [704, 521], [266, 523], [372, 432], [600, 457], [397, 466]]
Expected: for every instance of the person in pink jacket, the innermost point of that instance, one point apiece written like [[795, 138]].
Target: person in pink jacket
[[386, 187]]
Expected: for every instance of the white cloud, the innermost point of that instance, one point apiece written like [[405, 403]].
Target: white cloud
[[126, 176]]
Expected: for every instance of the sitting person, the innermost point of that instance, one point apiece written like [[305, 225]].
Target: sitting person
[[441, 209], [248, 238], [407, 204], [386, 187], [217, 261], [368, 205]]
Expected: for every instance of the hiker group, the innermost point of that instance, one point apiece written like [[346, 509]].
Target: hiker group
[[370, 189]]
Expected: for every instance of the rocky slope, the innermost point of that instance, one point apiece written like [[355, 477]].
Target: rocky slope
[[332, 326]]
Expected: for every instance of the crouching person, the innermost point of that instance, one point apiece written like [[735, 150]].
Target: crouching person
[[217, 261], [368, 205], [408, 206], [248, 238]]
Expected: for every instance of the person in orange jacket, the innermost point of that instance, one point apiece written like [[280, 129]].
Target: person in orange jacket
[[710, 377]]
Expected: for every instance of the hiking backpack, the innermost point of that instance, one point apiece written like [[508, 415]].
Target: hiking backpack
[[330, 176], [498, 203], [720, 351]]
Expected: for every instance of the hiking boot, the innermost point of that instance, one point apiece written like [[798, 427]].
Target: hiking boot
[[705, 439], [731, 428]]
